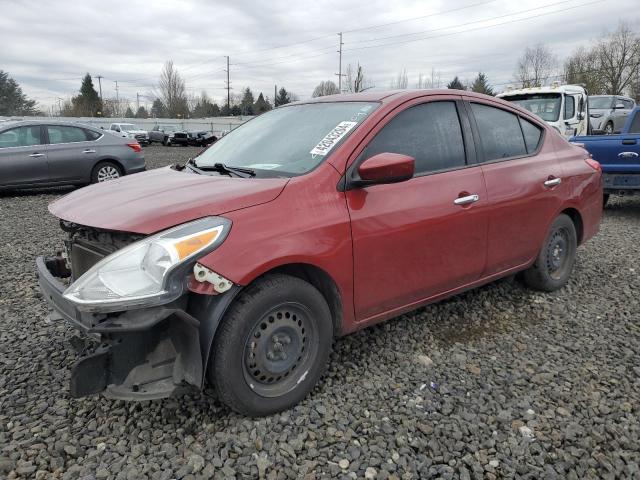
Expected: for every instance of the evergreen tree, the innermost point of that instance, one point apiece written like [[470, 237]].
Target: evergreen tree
[[481, 85], [12, 100], [215, 110], [142, 113], [157, 109], [88, 103], [455, 84], [261, 105], [128, 113], [246, 105], [283, 97]]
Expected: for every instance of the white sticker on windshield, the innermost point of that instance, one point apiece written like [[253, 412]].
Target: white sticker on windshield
[[333, 137]]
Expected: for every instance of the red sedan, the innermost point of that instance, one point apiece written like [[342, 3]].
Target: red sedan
[[310, 222]]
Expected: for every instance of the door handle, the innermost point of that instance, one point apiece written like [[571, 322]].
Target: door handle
[[627, 154], [36, 155], [467, 199], [88, 151], [629, 141], [552, 182]]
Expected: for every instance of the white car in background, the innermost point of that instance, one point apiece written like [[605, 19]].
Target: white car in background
[[129, 130]]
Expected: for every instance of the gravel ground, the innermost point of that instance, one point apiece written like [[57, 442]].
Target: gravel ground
[[500, 382]]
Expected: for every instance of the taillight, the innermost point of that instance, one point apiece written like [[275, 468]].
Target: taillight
[[594, 164], [135, 147]]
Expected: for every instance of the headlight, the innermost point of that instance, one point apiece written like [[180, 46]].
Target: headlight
[[151, 271]]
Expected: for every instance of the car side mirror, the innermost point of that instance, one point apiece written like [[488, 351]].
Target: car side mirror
[[385, 168], [581, 116]]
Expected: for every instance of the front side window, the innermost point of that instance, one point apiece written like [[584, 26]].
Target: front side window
[[65, 134], [569, 107], [545, 105], [500, 132], [288, 141], [20, 137], [430, 133]]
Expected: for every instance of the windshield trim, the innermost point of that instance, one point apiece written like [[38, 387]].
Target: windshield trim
[[284, 174]]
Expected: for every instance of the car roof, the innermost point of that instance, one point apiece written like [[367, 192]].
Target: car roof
[[385, 96], [21, 123]]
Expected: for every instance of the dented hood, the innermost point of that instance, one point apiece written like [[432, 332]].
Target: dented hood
[[152, 201]]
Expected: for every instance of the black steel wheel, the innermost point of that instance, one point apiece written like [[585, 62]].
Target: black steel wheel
[[554, 264], [272, 346]]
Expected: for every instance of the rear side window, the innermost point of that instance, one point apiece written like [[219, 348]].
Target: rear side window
[[91, 135], [569, 107], [65, 134], [20, 137], [532, 135], [500, 132], [430, 133]]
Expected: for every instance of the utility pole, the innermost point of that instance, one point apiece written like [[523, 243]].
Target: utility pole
[[228, 88], [340, 75], [275, 95], [99, 77], [137, 102], [59, 106], [117, 99]]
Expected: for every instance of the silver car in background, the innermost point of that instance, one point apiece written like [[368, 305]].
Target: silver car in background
[[609, 112], [39, 153]]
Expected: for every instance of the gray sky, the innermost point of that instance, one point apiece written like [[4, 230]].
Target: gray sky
[[48, 46]]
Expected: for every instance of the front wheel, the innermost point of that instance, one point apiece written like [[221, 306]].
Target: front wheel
[[272, 346], [608, 128], [167, 142], [555, 261], [605, 200]]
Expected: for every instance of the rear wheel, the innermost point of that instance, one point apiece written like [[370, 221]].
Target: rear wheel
[[166, 142], [104, 171], [272, 346], [554, 264], [605, 200]]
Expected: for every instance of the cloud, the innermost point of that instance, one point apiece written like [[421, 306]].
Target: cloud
[[49, 46]]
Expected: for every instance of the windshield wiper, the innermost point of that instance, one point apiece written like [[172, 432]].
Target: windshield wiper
[[241, 172]]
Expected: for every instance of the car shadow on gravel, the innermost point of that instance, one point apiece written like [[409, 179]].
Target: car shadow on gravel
[[30, 192]]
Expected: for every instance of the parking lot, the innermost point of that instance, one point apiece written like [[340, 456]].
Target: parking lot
[[499, 382]]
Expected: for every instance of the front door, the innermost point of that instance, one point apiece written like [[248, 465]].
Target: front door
[[426, 236], [23, 159]]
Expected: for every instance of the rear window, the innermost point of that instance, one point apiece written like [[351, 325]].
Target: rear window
[[500, 133], [532, 135], [66, 134]]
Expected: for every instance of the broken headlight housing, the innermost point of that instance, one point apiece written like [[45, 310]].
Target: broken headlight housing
[[148, 272]]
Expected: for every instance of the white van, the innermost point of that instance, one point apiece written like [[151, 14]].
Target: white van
[[564, 107]]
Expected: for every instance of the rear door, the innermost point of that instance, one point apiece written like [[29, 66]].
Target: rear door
[[72, 152], [411, 240], [524, 183], [23, 159]]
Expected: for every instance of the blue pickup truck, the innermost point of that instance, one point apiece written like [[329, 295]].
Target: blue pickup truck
[[619, 156]]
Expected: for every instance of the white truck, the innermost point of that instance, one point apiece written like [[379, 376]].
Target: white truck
[[564, 107], [129, 130]]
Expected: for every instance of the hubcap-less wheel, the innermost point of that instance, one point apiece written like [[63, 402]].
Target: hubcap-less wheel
[[284, 341], [107, 172], [557, 258], [608, 129]]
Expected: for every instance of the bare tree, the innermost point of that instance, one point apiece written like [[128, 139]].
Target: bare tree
[[434, 81], [356, 81], [325, 88], [172, 91], [618, 55], [536, 65], [401, 82], [582, 67]]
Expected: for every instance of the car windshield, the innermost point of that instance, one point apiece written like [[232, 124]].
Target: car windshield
[[545, 105], [169, 128], [600, 103], [288, 141], [127, 127]]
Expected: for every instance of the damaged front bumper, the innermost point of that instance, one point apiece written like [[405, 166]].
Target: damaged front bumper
[[142, 354]]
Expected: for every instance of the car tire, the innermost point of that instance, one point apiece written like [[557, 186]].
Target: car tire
[[553, 267], [608, 128], [104, 171], [605, 200], [166, 142], [272, 346]]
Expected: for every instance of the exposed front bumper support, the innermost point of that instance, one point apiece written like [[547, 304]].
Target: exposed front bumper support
[[143, 354]]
